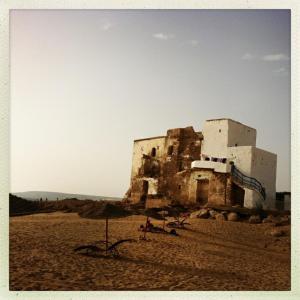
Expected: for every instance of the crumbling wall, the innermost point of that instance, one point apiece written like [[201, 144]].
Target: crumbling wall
[[218, 191], [197, 174]]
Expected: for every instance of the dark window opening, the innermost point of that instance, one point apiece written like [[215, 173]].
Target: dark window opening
[[179, 187], [180, 166], [236, 145], [170, 150], [219, 130], [153, 152]]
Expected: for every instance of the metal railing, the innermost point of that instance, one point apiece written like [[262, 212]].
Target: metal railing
[[247, 181]]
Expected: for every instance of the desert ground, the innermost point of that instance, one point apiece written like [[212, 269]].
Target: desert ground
[[210, 255]]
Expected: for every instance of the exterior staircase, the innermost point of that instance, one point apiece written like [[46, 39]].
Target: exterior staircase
[[248, 182]]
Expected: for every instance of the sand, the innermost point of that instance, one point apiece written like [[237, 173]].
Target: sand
[[210, 255]]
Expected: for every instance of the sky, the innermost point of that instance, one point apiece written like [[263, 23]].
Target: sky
[[86, 83]]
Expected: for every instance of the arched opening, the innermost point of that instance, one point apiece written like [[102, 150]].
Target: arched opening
[[153, 152]]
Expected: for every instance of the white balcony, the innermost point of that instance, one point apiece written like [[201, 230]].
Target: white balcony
[[216, 166]]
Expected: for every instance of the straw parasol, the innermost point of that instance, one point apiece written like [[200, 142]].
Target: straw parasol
[[105, 211]]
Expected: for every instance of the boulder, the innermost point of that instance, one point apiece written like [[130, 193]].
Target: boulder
[[232, 216], [283, 221], [254, 219], [220, 217], [203, 213], [268, 219]]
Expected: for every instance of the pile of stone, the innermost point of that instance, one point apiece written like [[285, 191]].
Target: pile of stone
[[209, 213], [234, 216]]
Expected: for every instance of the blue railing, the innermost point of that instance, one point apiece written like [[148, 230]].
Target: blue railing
[[248, 182]]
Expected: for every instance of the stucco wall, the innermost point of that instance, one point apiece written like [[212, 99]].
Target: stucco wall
[[141, 147], [240, 134], [264, 169], [223, 133], [241, 156], [215, 138], [260, 164]]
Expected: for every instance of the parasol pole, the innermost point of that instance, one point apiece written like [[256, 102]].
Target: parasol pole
[[146, 227], [106, 235], [164, 220]]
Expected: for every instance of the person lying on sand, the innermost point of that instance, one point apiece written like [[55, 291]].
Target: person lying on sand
[[156, 229]]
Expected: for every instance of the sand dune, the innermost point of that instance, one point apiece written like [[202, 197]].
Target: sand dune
[[210, 255]]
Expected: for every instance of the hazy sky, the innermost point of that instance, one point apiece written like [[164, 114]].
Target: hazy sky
[[86, 83]]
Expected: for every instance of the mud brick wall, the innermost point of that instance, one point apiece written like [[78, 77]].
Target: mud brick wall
[[217, 192]]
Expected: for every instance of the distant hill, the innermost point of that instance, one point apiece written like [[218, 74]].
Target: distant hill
[[36, 195]]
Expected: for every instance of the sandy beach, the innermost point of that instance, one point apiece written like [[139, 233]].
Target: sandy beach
[[210, 255]]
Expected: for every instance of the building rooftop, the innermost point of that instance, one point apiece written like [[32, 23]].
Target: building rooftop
[[228, 119]]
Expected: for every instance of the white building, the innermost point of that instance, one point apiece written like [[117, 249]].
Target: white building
[[235, 142]]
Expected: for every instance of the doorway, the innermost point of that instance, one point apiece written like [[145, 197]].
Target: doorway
[[202, 191], [237, 195], [144, 191]]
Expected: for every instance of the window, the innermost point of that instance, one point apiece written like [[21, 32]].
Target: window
[[219, 130], [236, 145], [153, 152], [179, 187], [170, 150]]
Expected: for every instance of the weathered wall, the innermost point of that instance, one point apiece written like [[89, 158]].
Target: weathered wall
[[145, 146], [217, 193], [196, 174]]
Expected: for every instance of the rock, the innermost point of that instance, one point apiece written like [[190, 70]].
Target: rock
[[212, 213], [254, 219], [269, 219], [232, 216], [203, 213], [283, 221], [220, 217], [277, 232]]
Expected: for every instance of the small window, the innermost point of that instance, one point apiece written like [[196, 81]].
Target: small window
[[179, 187], [236, 145], [219, 130], [153, 152], [170, 150]]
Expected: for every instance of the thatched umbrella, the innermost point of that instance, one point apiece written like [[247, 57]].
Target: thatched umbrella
[[105, 211]]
